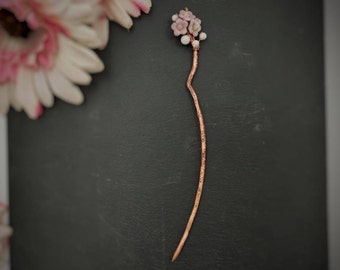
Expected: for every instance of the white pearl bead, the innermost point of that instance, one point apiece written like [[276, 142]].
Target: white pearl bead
[[174, 17], [185, 40], [203, 36], [195, 43]]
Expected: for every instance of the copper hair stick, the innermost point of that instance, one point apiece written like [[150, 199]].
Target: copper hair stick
[[187, 25]]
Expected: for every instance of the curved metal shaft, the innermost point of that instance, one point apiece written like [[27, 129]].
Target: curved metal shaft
[[203, 156]]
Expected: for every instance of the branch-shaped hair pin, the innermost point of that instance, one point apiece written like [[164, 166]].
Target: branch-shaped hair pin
[[188, 26]]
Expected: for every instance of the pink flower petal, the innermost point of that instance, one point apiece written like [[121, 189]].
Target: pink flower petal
[[39, 111], [32, 21], [143, 5]]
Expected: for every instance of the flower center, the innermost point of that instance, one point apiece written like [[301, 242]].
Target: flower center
[[15, 28]]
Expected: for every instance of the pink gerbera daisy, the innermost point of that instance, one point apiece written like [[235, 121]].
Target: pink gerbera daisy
[[44, 51], [45, 48]]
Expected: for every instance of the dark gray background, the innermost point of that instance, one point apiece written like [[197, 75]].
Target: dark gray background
[[110, 184]]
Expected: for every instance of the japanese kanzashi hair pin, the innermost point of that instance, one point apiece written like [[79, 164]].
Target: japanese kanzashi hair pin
[[188, 26]]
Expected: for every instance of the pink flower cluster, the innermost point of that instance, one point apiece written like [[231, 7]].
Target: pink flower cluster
[[187, 24]]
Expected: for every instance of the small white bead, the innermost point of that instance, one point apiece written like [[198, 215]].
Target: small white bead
[[174, 17], [203, 36], [195, 43], [185, 40]]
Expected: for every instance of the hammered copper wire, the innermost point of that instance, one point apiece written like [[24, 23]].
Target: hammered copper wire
[[203, 154]]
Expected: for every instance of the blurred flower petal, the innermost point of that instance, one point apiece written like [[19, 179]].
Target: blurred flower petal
[[121, 10], [73, 72], [26, 93], [63, 88], [42, 89]]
